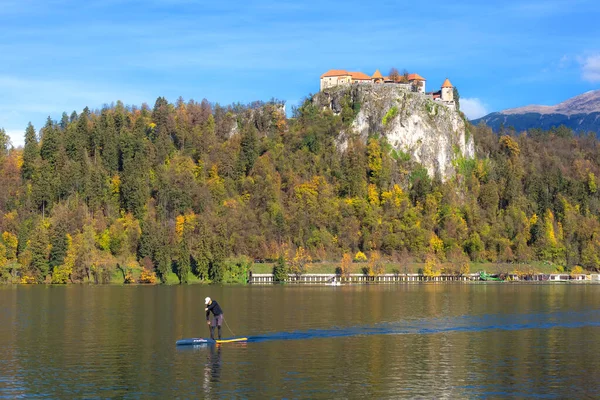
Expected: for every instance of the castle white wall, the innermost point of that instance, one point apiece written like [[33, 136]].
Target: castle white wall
[[448, 94]]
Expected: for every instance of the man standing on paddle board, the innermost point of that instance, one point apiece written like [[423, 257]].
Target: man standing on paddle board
[[217, 320]]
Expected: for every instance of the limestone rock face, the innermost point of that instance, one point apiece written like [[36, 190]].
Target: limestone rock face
[[432, 133]]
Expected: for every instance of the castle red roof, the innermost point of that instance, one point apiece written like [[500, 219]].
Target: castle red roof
[[335, 72], [360, 76], [415, 77], [447, 84]]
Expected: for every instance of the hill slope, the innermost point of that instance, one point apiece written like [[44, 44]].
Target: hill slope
[[580, 113], [200, 190]]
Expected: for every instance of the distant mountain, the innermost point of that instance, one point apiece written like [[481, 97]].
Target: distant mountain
[[580, 113]]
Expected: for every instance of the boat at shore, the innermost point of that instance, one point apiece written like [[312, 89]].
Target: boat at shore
[[489, 277]]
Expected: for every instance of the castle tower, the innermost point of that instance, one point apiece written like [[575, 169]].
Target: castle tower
[[418, 82], [377, 77], [447, 91]]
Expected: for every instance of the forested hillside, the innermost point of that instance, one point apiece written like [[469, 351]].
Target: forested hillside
[[198, 189]]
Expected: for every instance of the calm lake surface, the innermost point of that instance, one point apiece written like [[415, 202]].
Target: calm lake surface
[[425, 340]]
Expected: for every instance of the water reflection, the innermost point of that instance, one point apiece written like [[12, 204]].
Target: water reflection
[[212, 369]]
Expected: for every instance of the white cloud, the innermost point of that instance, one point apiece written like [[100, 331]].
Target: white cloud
[[473, 107], [17, 138], [590, 69]]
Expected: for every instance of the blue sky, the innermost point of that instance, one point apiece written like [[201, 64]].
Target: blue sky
[[59, 55]]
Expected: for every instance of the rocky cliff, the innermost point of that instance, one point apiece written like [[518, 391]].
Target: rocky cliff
[[431, 133]]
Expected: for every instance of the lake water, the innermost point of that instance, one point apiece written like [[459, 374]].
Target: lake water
[[396, 341]]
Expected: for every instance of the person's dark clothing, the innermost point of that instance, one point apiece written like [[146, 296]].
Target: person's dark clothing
[[217, 318], [215, 308]]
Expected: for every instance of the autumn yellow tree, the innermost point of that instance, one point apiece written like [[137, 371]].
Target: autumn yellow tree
[[11, 243], [345, 265], [184, 226], [3, 258], [375, 265], [360, 257], [432, 266], [551, 248], [301, 262]]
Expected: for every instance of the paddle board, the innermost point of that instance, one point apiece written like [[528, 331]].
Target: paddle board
[[204, 341]]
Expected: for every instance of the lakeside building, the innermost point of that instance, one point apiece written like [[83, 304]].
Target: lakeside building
[[411, 82]]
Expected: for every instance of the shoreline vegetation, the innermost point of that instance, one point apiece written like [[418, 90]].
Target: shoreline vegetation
[[140, 276], [196, 192]]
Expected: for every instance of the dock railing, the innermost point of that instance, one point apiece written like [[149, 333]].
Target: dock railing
[[333, 279], [325, 279]]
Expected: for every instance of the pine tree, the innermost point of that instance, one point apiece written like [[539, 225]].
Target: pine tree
[[31, 153], [39, 252], [216, 265], [202, 253], [148, 239], [354, 171], [162, 260], [248, 151], [165, 129], [183, 262], [76, 138], [280, 270], [50, 144], [109, 140], [136, 166], [216, 270], [45, 186], [4, 144], [64, 122], [58, 240]]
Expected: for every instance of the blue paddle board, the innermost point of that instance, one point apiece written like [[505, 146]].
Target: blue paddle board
[[203, 341]]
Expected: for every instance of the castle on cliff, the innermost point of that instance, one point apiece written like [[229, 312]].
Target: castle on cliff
[[410, 82]]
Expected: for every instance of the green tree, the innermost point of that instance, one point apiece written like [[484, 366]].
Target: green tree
[[38, 246], [109, 141], [50, 143], [31, 152], [183, 262], [59, 244], [165, 129], [354, 171], [5, 144], [77, 134], [456, 97], [162, 260], [45, 187], [280, 270], [420, 184], [134, 189], [248, 150]]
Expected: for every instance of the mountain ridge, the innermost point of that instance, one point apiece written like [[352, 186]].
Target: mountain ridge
[[580, 113], [585, 103]]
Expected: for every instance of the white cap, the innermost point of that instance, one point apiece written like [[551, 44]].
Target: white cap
[[207, 300]]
